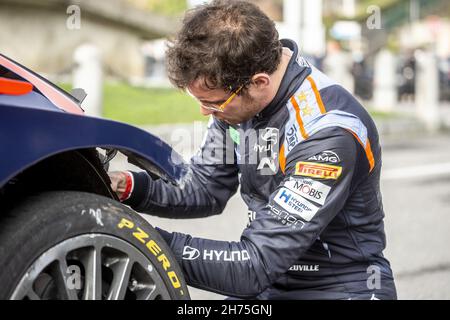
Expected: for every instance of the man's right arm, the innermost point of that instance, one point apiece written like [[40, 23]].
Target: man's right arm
[[203, 191]]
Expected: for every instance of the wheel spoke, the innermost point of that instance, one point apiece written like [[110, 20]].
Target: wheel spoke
[[32, 295], [63, 281], [93, 276], [122, 272], [153, 294]]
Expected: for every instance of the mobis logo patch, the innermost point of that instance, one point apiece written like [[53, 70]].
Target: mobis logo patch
[[309, 189], [317, 170]]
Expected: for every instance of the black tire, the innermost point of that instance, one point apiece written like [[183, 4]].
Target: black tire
[[43, 221]]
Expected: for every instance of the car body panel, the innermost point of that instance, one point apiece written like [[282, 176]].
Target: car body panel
[[28, 135], [58, 97], [48, 121]]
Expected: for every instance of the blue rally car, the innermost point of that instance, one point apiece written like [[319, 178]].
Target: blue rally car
[[63, 234]]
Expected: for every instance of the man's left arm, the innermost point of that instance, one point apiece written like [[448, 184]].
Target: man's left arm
[[309, 197]]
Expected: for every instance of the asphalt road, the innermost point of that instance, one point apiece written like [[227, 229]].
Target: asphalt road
[[416, 195], [416, 192]]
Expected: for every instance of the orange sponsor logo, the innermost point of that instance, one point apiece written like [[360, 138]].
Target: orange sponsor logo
[[317, 170]]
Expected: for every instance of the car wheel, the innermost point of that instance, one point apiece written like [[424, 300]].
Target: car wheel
[[75, 245]]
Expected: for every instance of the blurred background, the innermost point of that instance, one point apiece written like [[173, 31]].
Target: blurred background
[[394, 55]]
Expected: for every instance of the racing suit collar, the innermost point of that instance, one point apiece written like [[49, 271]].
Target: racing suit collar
[[297, 71]]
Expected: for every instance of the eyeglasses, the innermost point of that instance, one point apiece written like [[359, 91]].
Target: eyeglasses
[[221, 107]]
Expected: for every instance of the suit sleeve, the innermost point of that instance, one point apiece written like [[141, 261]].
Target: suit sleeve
[[310, 196], [211, 180]]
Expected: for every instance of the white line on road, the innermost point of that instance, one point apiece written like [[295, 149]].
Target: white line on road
[[428, 170]]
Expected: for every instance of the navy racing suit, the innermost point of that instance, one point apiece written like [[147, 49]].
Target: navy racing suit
[[309, 170]]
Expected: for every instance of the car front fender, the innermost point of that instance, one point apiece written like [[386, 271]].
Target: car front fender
[[28, 135]]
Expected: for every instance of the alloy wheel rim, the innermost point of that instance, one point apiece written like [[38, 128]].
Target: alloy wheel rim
[[92, 267]]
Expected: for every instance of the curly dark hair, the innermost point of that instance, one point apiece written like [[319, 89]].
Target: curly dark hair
[[226, 42]]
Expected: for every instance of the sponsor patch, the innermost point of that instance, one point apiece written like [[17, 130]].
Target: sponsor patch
[[290, 220], [317, 170], [309, 189], [326, 156], [303, 268], [292, 138], [295, 204], [190, 253]]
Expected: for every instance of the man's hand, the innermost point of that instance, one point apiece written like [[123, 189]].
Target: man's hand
[[120, 183]]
